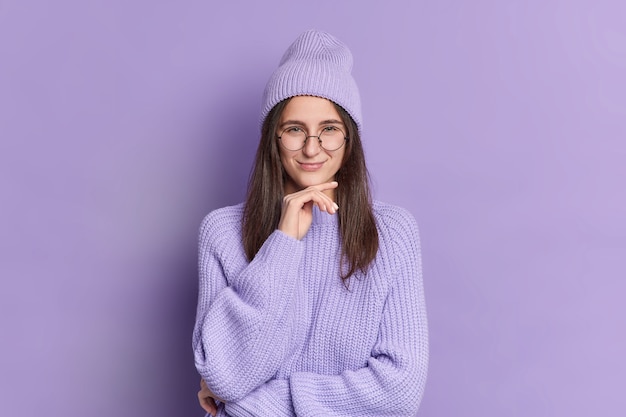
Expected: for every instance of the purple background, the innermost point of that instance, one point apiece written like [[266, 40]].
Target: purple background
[[500, 124]]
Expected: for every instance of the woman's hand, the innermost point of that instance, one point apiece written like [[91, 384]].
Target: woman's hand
[[207, 399], [297, 213]]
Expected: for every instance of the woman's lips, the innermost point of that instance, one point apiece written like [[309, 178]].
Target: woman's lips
[[310, 166]]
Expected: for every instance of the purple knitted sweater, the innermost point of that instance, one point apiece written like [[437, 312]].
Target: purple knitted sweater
[[282, 336]]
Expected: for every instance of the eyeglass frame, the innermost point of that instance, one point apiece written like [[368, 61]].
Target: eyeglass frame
[[306, 137]]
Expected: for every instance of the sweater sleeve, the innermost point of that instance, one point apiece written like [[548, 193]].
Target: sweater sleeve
[[272, 399], [392, 383], [242, 322]]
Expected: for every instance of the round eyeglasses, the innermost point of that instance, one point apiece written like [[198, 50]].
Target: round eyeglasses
[[330, 138]]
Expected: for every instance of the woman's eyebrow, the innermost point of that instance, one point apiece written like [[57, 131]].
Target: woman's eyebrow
[[291, 122], [331, 122]]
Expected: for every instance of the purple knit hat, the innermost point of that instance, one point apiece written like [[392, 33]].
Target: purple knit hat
[[316, 64]]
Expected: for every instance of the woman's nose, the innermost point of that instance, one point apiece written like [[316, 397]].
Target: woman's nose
[[312, 146]]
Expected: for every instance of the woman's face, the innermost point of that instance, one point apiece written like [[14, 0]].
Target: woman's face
[[311, 165]]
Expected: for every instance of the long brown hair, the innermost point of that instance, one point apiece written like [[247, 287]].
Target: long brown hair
[[359, 235]]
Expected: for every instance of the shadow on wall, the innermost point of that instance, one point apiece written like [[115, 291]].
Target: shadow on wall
[[227, 148]]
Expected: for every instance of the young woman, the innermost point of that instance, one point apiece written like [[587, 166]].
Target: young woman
[[311, 299]]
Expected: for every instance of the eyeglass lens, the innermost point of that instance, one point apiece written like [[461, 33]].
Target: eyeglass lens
[[330, 138]]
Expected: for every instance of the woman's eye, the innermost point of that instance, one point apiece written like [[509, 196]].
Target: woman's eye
[[293, 129], [330, 129]]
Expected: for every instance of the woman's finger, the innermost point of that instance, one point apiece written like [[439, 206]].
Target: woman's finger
[[207, 398], [298, 202], [207, 403], [327, 185], [297, 213], [314, 194]]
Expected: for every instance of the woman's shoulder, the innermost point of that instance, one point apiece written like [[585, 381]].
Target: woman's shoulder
[[392, 216], [395, 224], [222, 222]]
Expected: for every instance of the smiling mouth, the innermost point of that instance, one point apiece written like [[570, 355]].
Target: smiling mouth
[[308, 166]]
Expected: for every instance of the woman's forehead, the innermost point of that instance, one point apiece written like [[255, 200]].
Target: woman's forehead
[[310, 110]]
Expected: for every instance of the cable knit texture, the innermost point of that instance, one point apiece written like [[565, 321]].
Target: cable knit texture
[[283, 336]]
